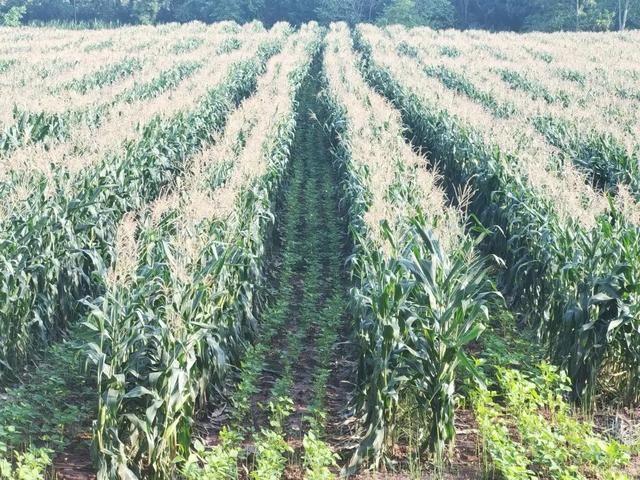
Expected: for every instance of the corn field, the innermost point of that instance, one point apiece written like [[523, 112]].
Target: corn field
[[313, 252]]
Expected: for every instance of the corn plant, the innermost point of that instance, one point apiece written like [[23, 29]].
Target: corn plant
[[186, 45], [165, 343], [417, 303], [104, 76], [228, 45], [572, 75], [34, 127], [5, 65], [56, 252], [518, 81], [97, 46], [578, 286], [418, 311]]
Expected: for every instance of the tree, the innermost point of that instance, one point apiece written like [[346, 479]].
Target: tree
[[463, 12], [626, 9], [401, 12], [593, 15], [554, 15], [350, 11], [226, 10], [183, 10], [144, 11], [517, 15], [501, 14], [14, 15], [436, 13]]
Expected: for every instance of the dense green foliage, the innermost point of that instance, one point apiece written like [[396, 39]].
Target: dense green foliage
[[547, 15], [41, 262], [318, 260], [589, 304], [302, 318]]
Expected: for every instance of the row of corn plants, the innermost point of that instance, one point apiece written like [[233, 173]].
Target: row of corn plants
[[56, 252], [313, 304], [185, 45], [172, 324], [32, 419], [577, 284], [473, 81], [88, 145], [34, 127], [458, 82], [303, 316], [603, 157], [98, 46], [104, 76], [520, 81], [420, 291], [228, 457]]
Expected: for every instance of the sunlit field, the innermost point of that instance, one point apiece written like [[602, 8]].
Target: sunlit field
[[238, 252]]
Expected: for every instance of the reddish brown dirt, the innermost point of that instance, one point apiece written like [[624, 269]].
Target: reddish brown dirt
[[464, 462], [340, 420], [75, 462]]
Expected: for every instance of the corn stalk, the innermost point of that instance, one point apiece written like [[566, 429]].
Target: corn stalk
[[417, 301], [57, 252], [578, 285], [166, 338]]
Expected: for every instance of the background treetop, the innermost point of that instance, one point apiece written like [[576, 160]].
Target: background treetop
[[516, 15]]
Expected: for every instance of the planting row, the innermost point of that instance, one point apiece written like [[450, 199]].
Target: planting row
[[589, 126], [279, 409], [57, 248], [571, 270], [420, 290], [54, 116]]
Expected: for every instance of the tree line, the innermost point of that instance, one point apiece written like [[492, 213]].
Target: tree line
[[513, 15]]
